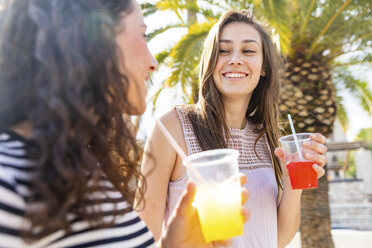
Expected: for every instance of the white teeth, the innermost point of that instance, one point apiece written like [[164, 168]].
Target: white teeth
[[235, 75]]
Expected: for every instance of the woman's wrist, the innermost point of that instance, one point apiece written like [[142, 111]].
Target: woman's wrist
[[287, 187]]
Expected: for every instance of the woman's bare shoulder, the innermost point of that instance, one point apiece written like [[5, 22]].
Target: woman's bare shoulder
[[171, 121], [170, 116]]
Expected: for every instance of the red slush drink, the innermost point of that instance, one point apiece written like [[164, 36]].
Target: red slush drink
[[302, 175]]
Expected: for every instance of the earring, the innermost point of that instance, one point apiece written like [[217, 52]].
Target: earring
[[263, 73]]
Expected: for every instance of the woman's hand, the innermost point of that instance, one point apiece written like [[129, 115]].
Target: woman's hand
[[184, 230], [316, 151]]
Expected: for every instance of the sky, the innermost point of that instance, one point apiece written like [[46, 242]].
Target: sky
[[358, 118]]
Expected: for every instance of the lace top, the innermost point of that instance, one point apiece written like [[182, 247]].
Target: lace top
[[261, 229]]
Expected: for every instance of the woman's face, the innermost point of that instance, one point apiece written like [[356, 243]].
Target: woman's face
[[239, 63], [138, 61]]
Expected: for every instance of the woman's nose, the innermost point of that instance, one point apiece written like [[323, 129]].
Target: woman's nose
[[235, 59], [153, 64]]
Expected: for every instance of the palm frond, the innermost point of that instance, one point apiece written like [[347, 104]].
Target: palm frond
[[305, 22], [161, 56], [209, 14], [355, 86], [238, 4], [186, 54], [154, 98], [353, 20], [174, 6], [363, 38], [341, 114], [326, 27], [275, 13], [158, 31], [148, 8], [359, 59]]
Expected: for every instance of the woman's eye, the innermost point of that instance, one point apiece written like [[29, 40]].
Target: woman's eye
[[248, 51], [223, 51], [146, 36]]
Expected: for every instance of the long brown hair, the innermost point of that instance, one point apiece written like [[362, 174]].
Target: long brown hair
[[60, 71], [208, 115]]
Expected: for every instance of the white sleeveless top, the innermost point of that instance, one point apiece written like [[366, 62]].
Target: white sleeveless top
[[261, 229]]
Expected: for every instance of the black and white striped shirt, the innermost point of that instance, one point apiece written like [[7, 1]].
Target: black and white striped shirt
[[15, 171]]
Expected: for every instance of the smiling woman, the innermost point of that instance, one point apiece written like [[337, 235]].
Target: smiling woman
[[237, 108], [238, 68]]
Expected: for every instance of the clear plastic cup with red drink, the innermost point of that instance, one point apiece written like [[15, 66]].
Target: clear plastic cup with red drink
[[300, 169]]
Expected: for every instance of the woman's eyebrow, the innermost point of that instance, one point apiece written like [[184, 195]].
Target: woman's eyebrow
[[244, 41]]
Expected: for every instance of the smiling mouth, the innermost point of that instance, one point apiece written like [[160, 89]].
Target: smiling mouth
[[235, 75]]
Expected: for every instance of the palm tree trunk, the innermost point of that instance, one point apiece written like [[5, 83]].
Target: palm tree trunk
[[315, 217], [309, 96]]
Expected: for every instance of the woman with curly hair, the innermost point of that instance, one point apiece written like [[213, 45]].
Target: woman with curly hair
[[237, 108], [71, 74]]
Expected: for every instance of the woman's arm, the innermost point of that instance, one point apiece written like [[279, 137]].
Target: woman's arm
[[159, 166], [289, 212], [289, 209]]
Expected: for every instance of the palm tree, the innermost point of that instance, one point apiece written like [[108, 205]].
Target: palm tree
[[321, 41]]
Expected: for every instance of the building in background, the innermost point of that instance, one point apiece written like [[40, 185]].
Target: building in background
[[350, 194]]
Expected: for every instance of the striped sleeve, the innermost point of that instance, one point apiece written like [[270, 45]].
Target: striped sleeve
[[128, 230], [12, 204]]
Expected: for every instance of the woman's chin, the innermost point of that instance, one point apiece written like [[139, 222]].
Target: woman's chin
[[136, 110]]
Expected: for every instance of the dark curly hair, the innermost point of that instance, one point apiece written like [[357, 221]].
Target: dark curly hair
[[60, 71]]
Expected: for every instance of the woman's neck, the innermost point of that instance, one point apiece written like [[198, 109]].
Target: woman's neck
[[23, 128], [235, 113]]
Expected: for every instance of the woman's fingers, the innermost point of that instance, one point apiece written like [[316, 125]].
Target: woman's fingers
[[321, 160], [315, 146], [319, 170], [184, 206], [222, 243], [246, 215], [245, 195], [318, 138], [279, 153], [243, 179]]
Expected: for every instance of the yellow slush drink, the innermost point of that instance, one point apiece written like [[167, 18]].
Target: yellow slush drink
[[219, 207]]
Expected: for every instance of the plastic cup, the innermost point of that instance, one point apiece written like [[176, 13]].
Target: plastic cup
[[218, 197], [301, 172]]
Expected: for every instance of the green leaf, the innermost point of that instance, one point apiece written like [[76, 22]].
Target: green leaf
[[160, 57], [359, 59], [155, 97], [186, 54], [177, 7], [275, 13], [305, 22], [148, 9], [356, 87], [364, 134], [341, 113], [163, 29], [327, 25]]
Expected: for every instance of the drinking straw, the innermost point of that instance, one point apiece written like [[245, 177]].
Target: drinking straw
[[295, 137], [178, 149]]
